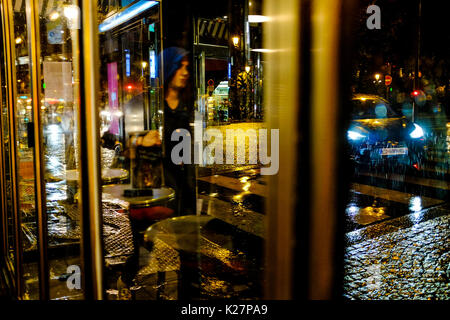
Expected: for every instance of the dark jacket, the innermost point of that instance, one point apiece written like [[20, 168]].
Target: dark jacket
[[179, 177]]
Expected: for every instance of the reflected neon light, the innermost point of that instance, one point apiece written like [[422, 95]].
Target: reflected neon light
[[125, 15]]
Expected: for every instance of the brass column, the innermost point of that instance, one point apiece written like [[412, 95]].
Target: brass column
[[282, 40], [7, 13], [90, 165], [34, 51]]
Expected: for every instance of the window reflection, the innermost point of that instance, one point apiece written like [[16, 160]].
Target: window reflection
[[397, 136], [206, 216]]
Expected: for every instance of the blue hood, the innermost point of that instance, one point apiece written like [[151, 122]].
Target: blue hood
[[172, 60]]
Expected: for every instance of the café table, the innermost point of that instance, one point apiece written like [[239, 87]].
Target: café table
[[109, 175]]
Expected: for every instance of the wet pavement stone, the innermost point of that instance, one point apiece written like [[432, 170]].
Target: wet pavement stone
[[404, 258]]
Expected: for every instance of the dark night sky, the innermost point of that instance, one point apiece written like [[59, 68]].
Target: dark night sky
[[398, 36]]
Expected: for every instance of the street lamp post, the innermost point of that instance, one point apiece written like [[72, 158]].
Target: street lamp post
[[416, 73]]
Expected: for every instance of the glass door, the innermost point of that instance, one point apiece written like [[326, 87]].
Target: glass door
[[8, 231], [22, 143], [40, 150], [59, 102], [130, 104]]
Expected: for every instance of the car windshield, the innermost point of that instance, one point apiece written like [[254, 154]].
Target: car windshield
[[371, 109]]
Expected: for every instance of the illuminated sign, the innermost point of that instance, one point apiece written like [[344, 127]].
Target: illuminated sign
[[127, 65], [152, 64], [125, 15]]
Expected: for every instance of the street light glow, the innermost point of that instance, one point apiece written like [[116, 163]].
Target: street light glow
[[235, 41]]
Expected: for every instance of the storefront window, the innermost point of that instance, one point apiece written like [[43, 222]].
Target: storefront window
[[236, 149], [176, 225]]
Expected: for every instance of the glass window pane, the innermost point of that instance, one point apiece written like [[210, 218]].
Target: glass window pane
[[398, 138], [175, 224], [24, 151], [59, 27]]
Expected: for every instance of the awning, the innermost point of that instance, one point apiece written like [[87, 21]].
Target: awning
[[215, 29]]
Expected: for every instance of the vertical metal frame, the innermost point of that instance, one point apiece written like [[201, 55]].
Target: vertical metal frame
[[11, 101], [305, 75], [33, 30], [326, 26], [3, 228], [10, 268], [89, 146], [90, 164], [281, 38]]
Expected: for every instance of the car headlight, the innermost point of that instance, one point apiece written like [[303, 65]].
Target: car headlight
[[417, 132], [353, 135]]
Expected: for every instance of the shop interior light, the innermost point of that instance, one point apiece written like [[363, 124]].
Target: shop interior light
[[71, 12], [125, 15], [256, 18], [19, 40], [262, 50], [53, 15], [236, 41], [247, 69]]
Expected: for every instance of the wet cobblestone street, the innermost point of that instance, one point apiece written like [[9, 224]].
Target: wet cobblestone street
[[404, 258]]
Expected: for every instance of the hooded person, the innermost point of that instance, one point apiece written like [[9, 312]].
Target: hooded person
[[178, 114]]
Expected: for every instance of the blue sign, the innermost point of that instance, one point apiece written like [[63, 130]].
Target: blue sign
[[152, 64], [127, 65]]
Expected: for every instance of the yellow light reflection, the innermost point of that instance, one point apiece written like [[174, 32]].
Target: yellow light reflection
[[244, 179], [54, 15], [235, 40]]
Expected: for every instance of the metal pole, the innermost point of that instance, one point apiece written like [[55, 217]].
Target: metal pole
[[325, 17], [4, 228], [32, 11], [417, 66], [11, 101], [282, 101], [90, 165]]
